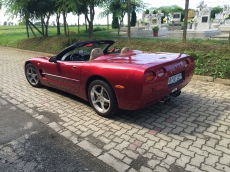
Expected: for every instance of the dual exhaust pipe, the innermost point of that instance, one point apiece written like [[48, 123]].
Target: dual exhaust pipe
[[167, 98], [175, 94]]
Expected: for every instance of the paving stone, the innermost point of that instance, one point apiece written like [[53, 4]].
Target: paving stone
[[211, 150], [160, 144], [145, 169], [132, 170], [199, 143], [130, 154], [192, 168], [227, 136], [224, 142], [43, 119], [116, 154], [127, 160], [90, 148], [160, 169], [153, 163], [110, 145], [197, 160], [222, 167], [211, 160], [116, 164], [208, 168], [225, 159], [183, 160], [158, 152], [199, 151], [212, 142], [186, 144], [55, 126], [171, 152], [122, 145], [184, 151]]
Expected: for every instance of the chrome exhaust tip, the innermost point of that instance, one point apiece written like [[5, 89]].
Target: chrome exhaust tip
[[164, 100], [175, 94]]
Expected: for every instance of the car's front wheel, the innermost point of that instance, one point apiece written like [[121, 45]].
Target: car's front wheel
[[32, 76], [102, 98]]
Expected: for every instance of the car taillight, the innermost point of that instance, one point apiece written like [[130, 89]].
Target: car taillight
[[186, 63], [149, 76], [161, 72]]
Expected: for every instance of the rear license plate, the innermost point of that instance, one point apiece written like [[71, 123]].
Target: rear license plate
[[175, 78]]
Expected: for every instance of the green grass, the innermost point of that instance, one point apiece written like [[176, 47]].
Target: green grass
[[212, 57]]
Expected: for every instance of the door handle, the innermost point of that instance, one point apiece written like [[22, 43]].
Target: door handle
[[74, 67]]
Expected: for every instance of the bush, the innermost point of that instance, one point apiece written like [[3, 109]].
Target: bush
[[98, 29]]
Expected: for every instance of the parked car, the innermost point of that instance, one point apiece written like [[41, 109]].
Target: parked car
[[111, 79]]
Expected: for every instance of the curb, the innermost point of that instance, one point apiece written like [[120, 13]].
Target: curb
[[211, 79]]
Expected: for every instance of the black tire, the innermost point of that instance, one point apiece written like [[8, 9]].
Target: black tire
[[102, 98], [32, 76]]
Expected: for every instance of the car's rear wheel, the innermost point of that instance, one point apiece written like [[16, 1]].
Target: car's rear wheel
[[102, 98], [32, 76]]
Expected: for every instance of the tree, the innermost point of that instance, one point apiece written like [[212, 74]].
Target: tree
[[115, 23], [28, 10], [19, 9], [119, 8], [0, 4], [216, 10], [89, 10], [133, 18], [64, 7]]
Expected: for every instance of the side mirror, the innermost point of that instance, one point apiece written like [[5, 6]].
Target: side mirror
[[53, 59]]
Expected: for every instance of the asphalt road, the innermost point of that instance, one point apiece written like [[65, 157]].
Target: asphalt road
[[26, 144]]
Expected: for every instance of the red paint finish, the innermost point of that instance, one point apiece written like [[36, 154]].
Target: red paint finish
[[127, 70]]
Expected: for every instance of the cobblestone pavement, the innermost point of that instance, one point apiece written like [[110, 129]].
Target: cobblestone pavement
[[190, 133]]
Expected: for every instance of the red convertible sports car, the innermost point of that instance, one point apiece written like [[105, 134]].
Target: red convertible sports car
[[111, 79]]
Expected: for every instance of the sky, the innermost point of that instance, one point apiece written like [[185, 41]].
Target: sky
[[152, 3]]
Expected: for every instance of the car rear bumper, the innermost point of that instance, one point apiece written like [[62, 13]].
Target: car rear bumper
[[153, 93]]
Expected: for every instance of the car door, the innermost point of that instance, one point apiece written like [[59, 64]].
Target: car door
[[64, 75]]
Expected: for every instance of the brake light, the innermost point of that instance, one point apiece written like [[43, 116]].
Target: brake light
[[186, 63], [161, 72], [149, 76]]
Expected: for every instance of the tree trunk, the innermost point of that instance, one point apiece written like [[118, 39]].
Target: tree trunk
[[58, 24], [121, 21], [78, 26], [64, 22], [47, 25], [86, 29], [42, 21], [90, 30], [90, 20], [108, 21], [27, 29], [32, 30], [129, 3], [185, 21]]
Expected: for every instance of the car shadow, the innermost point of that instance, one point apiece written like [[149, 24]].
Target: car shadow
[[187, 115]]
